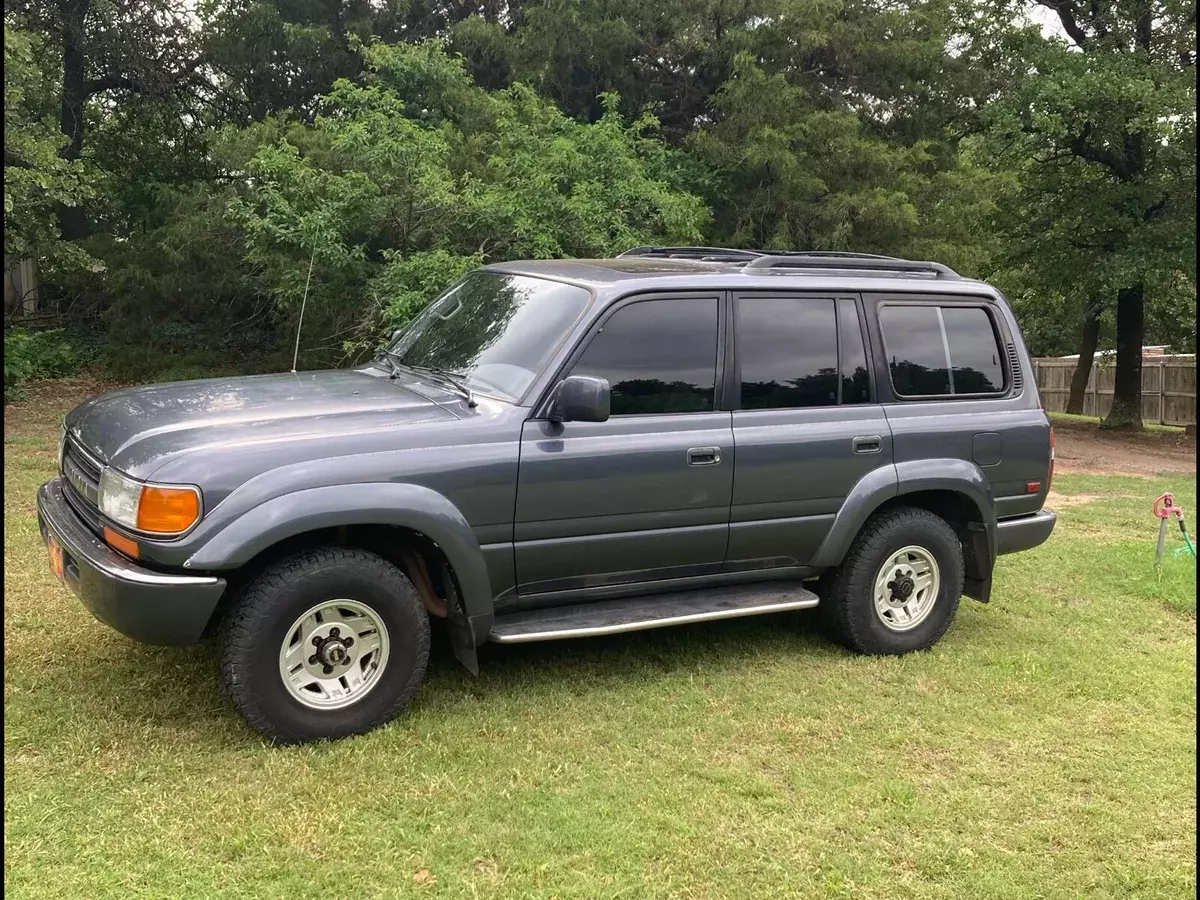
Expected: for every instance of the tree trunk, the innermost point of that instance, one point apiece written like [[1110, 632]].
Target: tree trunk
[[72, 220], [1126, 409], [1087, 355]]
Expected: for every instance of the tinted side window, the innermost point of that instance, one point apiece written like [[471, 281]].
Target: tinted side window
[[787, 350], [912, 337], [856, 383], [941, 350], [974, 352], [659, 356]]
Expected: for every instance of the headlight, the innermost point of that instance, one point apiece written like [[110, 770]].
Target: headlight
[[151, 508]]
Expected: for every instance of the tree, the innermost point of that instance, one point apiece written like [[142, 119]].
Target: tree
[[37, 180], [1105, 124], [105, 52], [389, 199]]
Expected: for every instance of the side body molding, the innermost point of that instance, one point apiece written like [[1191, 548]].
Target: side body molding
[[376, 503], [887, 482]]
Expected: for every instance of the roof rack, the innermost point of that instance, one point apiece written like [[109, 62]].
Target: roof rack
[[862, 261], [754, 260], [714, 254], [757, 259]]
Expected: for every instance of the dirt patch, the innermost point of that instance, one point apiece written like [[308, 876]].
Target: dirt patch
[[1055, 500], [1084, 449]]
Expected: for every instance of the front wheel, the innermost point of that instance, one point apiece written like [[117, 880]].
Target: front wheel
[[328, 643], [898, 588]]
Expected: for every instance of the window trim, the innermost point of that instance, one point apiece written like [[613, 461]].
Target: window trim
[[734, 368], [949, 302], [542, 407]]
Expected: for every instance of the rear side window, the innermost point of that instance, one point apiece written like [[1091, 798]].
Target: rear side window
[[659, 356], [941, 350], [798, 352]]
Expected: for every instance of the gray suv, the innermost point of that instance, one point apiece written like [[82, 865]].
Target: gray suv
[[560, 449]]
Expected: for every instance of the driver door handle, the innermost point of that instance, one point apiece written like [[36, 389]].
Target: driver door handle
[[704, 456], [870, 443]]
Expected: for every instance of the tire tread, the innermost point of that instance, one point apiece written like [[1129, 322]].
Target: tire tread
[[844, 587], [248, 617]]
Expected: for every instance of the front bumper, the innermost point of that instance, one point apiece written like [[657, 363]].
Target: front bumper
[[1024, 532], [145, 605]]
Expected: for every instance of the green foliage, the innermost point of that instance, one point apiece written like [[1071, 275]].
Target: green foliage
[[386, 200], [32, 355], [219, 149], [36, 178], [1098, 131]]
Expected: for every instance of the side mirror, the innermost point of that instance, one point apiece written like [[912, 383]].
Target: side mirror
[[581, 398]]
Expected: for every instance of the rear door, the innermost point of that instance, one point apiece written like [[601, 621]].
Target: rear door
[[952, 380], [806, 426], [645, 495]]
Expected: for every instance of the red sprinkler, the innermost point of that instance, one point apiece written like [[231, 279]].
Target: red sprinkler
[[1164, 508]]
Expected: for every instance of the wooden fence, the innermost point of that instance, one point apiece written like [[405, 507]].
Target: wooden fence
[[1168, 387]]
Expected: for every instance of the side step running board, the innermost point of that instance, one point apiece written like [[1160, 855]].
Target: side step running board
[[650, 611]]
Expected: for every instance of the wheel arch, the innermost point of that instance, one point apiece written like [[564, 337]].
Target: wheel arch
[[386, 518], [956, 490]]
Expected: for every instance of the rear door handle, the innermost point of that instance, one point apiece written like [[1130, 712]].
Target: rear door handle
[[704, 456], [867, 443]]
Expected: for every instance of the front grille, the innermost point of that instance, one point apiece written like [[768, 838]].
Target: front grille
[[81, 477]]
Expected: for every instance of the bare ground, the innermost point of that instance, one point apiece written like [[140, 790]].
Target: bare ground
[[1084, 449]]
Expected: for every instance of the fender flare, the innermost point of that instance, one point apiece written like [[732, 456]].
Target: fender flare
[[887, 482], [374, 503]]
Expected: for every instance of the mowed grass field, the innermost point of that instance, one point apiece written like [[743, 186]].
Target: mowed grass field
[[1045, 749]]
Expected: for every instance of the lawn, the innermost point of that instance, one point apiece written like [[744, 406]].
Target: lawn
[[1046, 748]]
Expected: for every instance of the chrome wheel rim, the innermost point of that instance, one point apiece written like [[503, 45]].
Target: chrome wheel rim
[[334, 654], [906, 588]]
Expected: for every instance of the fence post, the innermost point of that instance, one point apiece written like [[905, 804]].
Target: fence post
[[1162, 388], [1094, 378]]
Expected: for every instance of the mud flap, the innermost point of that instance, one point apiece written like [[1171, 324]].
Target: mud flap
[[462, 636], [977, 562]]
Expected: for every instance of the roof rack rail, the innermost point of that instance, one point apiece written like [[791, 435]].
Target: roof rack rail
[[716, 254], [828, 254], [848, 261]]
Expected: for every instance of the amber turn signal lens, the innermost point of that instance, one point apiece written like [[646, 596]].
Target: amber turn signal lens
[[120, 542], [165, 510]]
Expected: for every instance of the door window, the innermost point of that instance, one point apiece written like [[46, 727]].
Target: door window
[[797, 352], [659, 356]]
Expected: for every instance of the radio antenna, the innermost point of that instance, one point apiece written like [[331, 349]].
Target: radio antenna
[[303, 302]]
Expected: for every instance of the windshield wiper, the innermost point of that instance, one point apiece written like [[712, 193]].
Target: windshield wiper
[[454, 379]]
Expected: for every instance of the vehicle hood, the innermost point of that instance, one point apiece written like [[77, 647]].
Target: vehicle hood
[[136, 430]]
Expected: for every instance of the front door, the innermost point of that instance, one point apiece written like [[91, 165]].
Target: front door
[[644, 496], [805, 426]]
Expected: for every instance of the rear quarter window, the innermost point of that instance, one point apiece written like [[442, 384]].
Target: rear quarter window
[[941, 351]]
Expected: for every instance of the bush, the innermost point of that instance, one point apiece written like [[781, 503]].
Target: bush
[[30, 355]]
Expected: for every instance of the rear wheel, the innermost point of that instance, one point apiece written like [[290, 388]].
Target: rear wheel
[[899, 586], [324, 644]]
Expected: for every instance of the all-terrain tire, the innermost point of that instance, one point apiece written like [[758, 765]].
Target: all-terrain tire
[[252, 632], [848, 608]]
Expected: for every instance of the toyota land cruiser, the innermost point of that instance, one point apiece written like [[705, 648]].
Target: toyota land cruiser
[[559, 449]]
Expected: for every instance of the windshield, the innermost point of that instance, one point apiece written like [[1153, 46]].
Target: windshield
[[494, 330]]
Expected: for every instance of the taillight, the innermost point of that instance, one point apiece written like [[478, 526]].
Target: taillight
[[1050, 477]]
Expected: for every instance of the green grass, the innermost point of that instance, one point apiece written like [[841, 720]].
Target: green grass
[[1073, 419], [1045, 749]]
